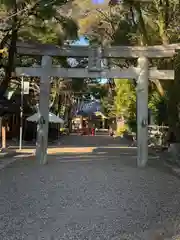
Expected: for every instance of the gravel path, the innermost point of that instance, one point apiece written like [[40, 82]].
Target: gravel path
[[98, 197]]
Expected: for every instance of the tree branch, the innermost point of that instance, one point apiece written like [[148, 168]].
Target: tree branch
[[108, 19]]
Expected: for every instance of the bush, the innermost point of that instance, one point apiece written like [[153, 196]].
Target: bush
[[132, 125], [121, 130]]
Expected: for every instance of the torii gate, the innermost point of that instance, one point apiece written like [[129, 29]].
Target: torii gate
[[141, 73]]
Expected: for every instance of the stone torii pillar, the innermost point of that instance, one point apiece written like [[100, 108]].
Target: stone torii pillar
[[142, 112], [44, 72], [43, 126]]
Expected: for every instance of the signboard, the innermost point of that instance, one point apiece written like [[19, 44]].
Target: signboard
[[26, 88], [95, 57]]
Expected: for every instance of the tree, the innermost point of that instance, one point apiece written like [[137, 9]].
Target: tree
[[36, 20], [125, 98], [31, 20], [140, 24]]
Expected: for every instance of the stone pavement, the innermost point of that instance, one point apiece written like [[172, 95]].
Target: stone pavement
[[99, 195]]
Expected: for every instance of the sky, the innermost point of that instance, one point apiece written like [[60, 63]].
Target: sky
[[82, 42], [98, 1]]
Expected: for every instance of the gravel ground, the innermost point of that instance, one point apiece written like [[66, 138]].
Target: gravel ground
[[98, 197]]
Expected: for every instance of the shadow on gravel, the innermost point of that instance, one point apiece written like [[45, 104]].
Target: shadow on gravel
[[118, 156]]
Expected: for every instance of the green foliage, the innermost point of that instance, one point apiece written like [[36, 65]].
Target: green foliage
[[97, 90], [125, 99], [158, 106], [134, 23], [122, 129], [132, 124], [40, 20], [108, 106], [128, 23], [78, 85], [125, 104], [46, 24]]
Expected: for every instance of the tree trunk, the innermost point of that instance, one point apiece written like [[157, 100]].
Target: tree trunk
[[70, 118], [142, 28], [12, 51], [174, 101], [173, 90], [174, 86]]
